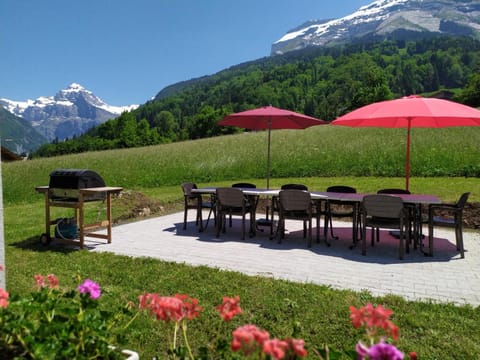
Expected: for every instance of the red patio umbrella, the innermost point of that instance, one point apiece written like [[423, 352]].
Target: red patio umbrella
[[411, 112], [270, 118]]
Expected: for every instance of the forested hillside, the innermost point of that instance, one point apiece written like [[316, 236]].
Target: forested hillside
[[17, 134], [321, 82]]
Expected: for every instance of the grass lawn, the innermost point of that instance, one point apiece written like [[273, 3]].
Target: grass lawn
[[319, 314]]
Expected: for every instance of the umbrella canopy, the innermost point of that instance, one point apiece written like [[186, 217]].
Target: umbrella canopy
[[411, 112], [269, 118]]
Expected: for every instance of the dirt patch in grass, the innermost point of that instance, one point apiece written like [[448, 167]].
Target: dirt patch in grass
[[131, 205], [471, 215]]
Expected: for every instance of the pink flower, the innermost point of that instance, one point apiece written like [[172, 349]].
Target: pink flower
[[374, 319], [248, 339], [170, 308], [229, 308], [297, 346], [380, 351], [53, 282], [39, 280], [167, 308], [190, 306], [275, 348], [90, 287], [384, 351], [3, 298]]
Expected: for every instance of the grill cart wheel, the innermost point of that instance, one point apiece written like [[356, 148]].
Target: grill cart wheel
[[45, 239]]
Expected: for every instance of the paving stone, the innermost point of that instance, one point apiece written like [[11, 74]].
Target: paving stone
[[443, 278]]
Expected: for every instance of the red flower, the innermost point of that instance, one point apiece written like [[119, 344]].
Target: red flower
[[297, 347], [248, 338], [170, 308], [3, 298], [275, 348], [413, 355], [39, 280], [164, 308], [190, 306], [53, 282], [229, 308], [373, 319], [51, 279]]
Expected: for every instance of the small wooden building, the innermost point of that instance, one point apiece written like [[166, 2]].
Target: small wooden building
[[8, 155]]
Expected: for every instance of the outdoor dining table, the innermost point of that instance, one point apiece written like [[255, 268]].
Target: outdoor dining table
[[416, 200], [255, 194]]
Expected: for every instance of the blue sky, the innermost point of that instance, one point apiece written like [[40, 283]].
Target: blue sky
[[125, 51]]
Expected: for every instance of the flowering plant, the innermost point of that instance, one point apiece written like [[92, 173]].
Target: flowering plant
[[68, 324], [249, 340], [380, 332], [52, 323]]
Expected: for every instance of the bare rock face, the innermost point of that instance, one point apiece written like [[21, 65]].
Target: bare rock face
[[387, 19]]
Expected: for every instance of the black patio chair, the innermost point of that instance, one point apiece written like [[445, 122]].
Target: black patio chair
[[196, 202], [340, 210], [291, 186], [412, 211], [295, 205], [386, 212], [243, 185], [232, 201], [447, 215]]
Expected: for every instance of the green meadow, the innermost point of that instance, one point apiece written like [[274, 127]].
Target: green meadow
[[444, 162]]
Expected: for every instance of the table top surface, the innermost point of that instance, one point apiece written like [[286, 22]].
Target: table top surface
[[108, 189], [319, 195]]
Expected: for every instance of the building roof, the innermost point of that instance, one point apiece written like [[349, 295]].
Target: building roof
[[8, 155]]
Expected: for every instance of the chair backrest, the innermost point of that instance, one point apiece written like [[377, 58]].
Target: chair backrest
[[294, 200], [244, 185], [382, 205], [294, 187], [230, 197], [187, 188], [393, 191], [342, 189], [463, 200]]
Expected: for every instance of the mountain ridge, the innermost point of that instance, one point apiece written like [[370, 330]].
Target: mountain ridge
[[18, 135], [388, 19], [70, 112]]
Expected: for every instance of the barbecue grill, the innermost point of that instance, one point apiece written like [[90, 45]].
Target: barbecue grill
[[65, 184], [72, 188]]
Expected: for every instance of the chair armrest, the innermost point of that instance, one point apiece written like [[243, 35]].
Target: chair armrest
[[442, 206], [450, 209], [445, 207]]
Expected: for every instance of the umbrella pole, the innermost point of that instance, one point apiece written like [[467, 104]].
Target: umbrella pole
[[407, 164], [268, 155]]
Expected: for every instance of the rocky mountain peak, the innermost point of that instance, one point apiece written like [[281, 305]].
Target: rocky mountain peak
[[70, 112], [76, 92]]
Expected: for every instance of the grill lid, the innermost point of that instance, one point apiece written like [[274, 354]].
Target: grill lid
[[75, 179], [65, 183]]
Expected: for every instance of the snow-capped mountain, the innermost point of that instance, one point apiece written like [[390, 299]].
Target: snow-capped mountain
[[387, 19], [70, 112]]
